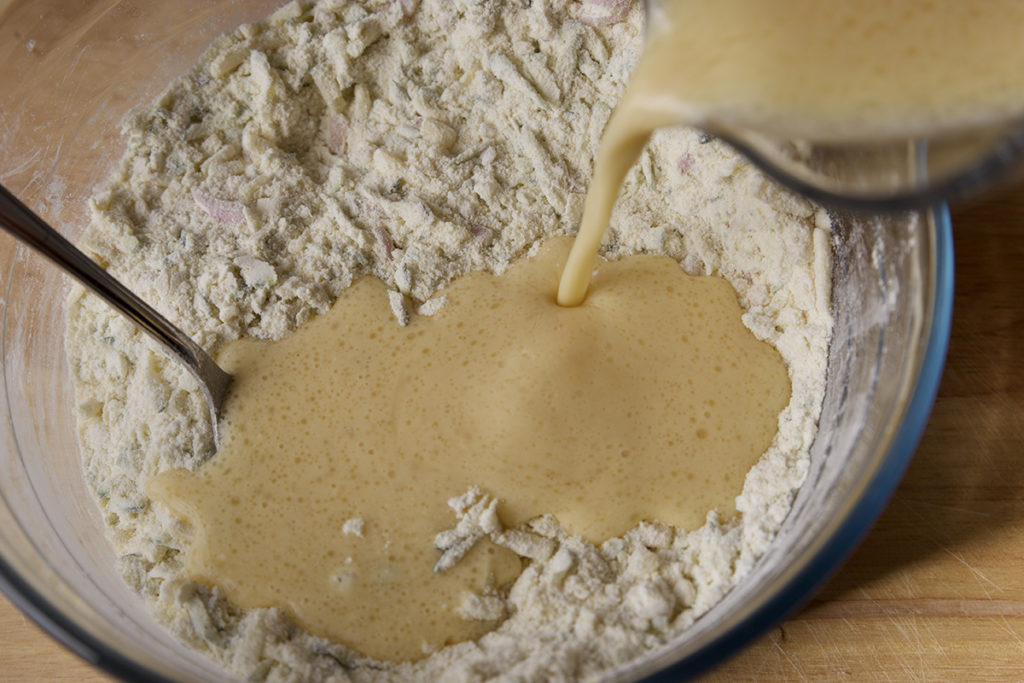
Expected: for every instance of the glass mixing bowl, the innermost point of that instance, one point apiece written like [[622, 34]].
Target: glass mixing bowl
[[70, 71]]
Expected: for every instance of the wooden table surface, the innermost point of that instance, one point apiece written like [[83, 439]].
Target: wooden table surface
[[936, 591]]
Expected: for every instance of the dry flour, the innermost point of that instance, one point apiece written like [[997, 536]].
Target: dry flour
[[415, 141]]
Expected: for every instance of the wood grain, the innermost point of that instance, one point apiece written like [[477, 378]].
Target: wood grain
[[936, 591]]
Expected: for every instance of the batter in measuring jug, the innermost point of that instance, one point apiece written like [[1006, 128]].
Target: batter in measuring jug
[[839, 71]]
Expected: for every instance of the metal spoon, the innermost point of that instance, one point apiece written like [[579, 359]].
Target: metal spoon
[[20, 221]]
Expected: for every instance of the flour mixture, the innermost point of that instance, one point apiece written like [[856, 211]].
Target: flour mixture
[[416, 142]]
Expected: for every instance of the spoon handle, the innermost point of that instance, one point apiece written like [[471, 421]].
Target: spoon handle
[[25, 225]]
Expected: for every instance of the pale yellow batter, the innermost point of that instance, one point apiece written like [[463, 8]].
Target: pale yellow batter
[[649, 401]]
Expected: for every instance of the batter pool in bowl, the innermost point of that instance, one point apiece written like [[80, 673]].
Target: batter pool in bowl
[[888, 284]]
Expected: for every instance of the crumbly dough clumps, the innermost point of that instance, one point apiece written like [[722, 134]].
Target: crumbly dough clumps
[[416, 141]]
